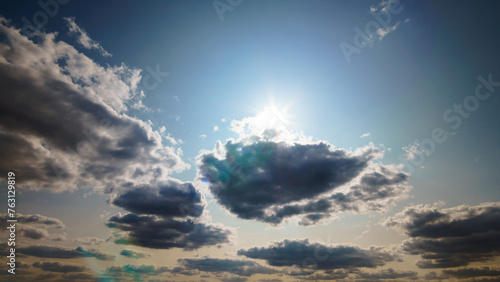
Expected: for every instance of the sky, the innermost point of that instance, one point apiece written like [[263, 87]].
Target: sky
[[237, 140]]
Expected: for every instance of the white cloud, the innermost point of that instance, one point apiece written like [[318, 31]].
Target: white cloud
[[83, 37], [216, 128], [382, 32], [364, 135], [69, 128]]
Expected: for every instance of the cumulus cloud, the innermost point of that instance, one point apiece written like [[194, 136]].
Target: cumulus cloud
[[164, 233], [238, 267], [450, 237], [59, 267], [165, 216], [271, 174], [83, 37], [64, 126], [170, 199], [302, 253]]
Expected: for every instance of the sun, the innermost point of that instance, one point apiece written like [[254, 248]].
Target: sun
[[274, 117]]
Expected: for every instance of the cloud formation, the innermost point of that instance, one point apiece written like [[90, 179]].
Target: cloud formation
[[450, 237], [169, 199], [63, 125], [44, 251], [472, 272], [389, 273], [302, 253], [35, 226], [59, 267], [238, 267], [164, 233], [260, 178]]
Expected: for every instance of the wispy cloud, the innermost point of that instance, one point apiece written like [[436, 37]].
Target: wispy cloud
[[83, 37]]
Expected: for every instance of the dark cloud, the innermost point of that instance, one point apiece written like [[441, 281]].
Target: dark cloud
[[238, 267], [171, 199], [472, 272], [304, 254], [63, 125], [435, 276], [165, 233], [134, 254], [265, 180], [44, 251], [59, 267], [450, 237], [388, 274]]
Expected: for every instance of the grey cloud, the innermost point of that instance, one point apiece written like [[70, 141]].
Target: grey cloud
[[59, 267], [472, 272], [172, 199], [238, 267], [450, 237], [35, 226], [37, 219], [327, 275], [388, 274], [165, 233], [38, 233], [304, 254], [432, 275], [266, 180], [44, 251]]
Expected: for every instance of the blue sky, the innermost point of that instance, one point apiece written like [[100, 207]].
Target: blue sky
[[179, 99]]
